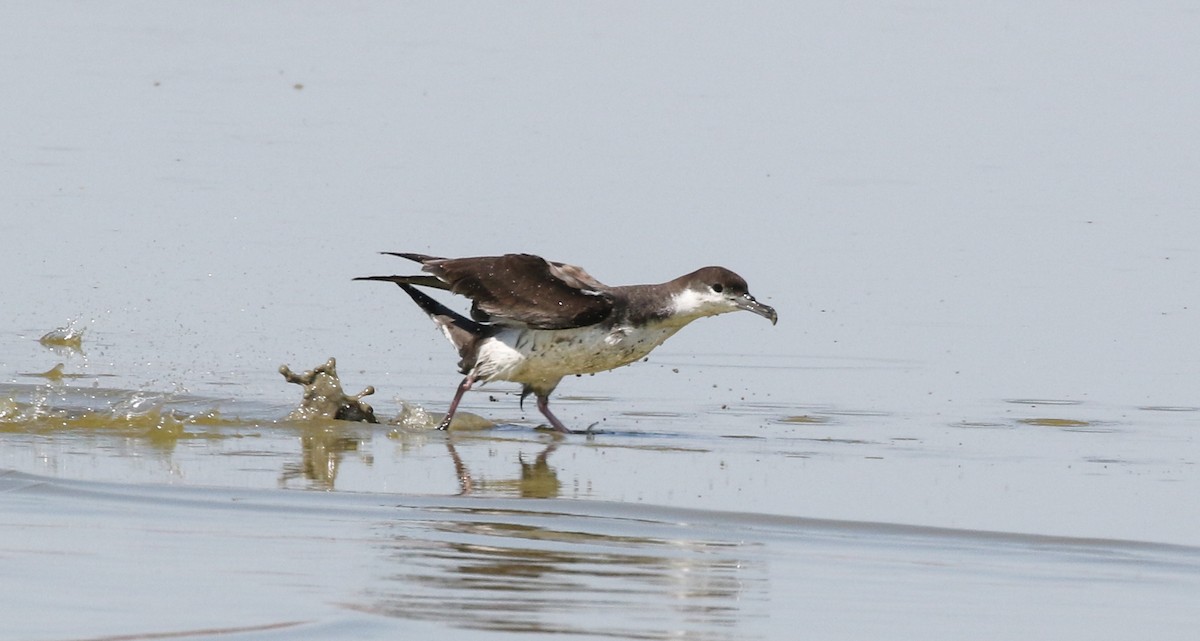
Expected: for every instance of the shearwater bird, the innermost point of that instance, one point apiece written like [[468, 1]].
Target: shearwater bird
[[534, 321]]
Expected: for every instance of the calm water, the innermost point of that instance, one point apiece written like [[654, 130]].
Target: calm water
[[976, 418]]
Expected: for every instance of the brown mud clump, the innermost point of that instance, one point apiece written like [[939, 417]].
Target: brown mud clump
[[324, 398]]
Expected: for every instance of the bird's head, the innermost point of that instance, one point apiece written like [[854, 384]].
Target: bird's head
[[715, 290]]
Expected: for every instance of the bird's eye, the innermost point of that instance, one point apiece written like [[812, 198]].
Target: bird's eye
[[718, 287]]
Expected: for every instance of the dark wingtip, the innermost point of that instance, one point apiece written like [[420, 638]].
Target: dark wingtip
[[416, 258], [386, 279]]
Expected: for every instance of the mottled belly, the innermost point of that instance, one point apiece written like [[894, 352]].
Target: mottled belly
[[548, 355]]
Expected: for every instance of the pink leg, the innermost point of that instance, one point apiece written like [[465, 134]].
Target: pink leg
[[543, 405], [462, 389]]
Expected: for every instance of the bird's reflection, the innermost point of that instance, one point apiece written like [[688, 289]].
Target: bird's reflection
[[324, 444], [535, 480]]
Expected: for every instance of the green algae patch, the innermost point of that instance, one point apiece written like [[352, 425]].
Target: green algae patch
[[805, 419], [1054, 422]]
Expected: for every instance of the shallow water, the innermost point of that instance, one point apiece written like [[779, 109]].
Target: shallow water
[[976, 418], [645, 530], [314, 565]]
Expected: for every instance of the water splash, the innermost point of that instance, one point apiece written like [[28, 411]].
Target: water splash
[[324, 397], [148, 415], [70, 336], [413, 416]]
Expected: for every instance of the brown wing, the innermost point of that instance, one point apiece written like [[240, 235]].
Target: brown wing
[[576, 277], [522, 289]]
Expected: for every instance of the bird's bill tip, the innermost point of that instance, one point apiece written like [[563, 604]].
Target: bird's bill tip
[[766, 311]]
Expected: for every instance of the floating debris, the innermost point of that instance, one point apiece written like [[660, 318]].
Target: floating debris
[[324, 398], [69, 336]]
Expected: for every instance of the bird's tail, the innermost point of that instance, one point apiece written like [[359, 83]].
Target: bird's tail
[[424, 280], [461, 331]]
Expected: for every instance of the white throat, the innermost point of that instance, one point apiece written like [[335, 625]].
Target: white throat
[[691, 304]]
